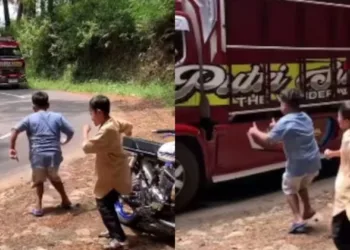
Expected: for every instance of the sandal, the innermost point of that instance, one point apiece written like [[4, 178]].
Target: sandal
[[37, 212], [298, 228], [68, 207], [115, 244], [104, 235]]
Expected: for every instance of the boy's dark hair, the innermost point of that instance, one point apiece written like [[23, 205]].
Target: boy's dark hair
[[344, 110], [292, 97], [100, 102], [40, 99]]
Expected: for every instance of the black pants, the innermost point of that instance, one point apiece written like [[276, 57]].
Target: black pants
[[341, 231], [109, 215]]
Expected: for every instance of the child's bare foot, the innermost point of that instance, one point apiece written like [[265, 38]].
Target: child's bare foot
[[309, 214]]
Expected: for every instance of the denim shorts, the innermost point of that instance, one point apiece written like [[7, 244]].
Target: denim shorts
[[46, 160]]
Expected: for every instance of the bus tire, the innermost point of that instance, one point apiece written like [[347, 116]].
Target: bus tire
[[187, 159]]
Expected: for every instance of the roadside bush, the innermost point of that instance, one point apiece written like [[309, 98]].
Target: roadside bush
[[99, 39]]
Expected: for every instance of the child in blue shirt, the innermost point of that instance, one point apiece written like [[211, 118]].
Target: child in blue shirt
[[296, 130], [43, 130]]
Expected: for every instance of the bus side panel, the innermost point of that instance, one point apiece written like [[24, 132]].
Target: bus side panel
[[236, 152]]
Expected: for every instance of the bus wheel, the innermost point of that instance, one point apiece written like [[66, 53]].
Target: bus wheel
[[187, 176]]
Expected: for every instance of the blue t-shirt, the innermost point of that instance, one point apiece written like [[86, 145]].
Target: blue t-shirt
[[296, 131], [44, 130]]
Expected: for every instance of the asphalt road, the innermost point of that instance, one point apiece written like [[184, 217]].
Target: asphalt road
[[16, 104]]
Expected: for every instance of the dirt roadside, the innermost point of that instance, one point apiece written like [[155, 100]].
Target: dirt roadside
[[266, 229], [74, 230]]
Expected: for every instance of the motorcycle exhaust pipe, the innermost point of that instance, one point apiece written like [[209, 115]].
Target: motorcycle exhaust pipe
[[167, 223]]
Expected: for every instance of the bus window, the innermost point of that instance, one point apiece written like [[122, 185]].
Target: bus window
[[10, 52], [180, 47]]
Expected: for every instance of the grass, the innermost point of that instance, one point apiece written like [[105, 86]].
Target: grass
[[154, 90]]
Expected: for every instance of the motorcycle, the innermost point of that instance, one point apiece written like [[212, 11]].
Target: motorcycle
[[150, 207]]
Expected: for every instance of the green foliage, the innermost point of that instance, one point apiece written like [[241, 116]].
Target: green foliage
[[97, 39], [154, 90], [147, 12]]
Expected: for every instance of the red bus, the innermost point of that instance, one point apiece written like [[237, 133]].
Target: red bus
[[12, 65], [233, 57]]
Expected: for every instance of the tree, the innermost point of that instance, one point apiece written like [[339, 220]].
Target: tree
[[19, 4], [29, 8], [6, 13], [42, 7], [50, 6], [20, 11]]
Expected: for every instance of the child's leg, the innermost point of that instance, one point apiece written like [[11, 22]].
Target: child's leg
[[38, 178], [290, 187], [58, 185], [293, 202], [110, 217], [39, 192], [308, 211], [60, 189]]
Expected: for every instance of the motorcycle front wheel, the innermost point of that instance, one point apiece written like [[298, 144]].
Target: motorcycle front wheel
[[126, 214]]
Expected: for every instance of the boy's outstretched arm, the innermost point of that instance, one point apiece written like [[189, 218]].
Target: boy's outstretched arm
[[125, 127], [329, 154], [66, 129], [15, 131], [13, 139], [271, 139]]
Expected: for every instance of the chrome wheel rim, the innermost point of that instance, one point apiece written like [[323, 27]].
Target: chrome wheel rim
[[180, 178]]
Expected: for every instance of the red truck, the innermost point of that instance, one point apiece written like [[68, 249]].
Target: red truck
[[233, 58], [12, 65]]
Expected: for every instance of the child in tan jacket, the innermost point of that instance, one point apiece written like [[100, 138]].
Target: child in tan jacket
[[111, 167]]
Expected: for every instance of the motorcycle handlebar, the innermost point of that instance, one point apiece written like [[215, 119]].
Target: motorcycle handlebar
[[166, 132]]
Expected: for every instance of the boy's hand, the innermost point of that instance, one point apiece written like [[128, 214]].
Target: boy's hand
[[273, 123], [328, 153], [128, 133], [86, 129], [253, 129], [64, 142], [13, 154]]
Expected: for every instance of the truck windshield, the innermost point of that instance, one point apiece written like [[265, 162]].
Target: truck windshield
[[179, 47], [10, 52]]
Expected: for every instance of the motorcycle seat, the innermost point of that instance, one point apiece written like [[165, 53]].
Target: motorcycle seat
[[141, 146]]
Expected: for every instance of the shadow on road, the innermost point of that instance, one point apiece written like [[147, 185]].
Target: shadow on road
[[250, 187]]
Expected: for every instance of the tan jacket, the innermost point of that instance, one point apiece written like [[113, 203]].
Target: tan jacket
[[342, 183], [111, 166]]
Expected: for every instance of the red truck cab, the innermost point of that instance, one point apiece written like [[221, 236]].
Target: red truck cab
[[233, 58], [12, 65]]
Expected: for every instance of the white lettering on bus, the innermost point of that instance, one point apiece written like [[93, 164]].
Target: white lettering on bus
[[187, 79], [246, 86]]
